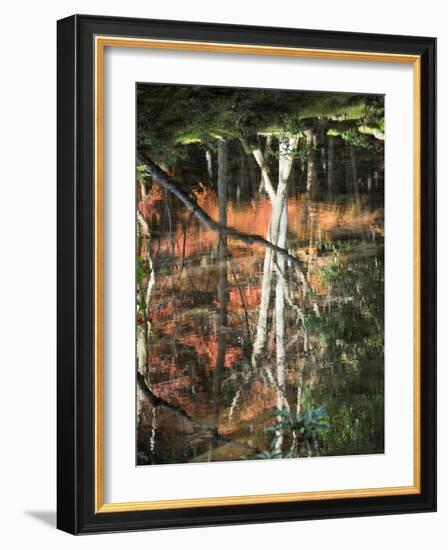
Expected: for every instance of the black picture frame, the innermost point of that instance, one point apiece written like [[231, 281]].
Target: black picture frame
[[76, 272]]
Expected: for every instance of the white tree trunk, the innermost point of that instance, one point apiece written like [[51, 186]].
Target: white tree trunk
[[310, 159], [208, 160], [287, 146], [280, 325], [222, 280], [268, 263], [144, 328], [260, 336], [266, 177]]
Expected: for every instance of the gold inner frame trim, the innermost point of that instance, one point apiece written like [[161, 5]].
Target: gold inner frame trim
[[101, 42]]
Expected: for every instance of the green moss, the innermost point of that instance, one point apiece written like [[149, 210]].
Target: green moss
[[170, 117]]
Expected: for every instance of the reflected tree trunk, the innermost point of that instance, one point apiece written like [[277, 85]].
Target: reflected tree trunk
[[330, 163], [280, 323], [347, 167], [287, 148], [222, 279], [260, 337], [143, 292], [266, 282], [309, 134], [355, 181], [252, 170], [243, 180], [265, 173], [264, 158], [208, 160]]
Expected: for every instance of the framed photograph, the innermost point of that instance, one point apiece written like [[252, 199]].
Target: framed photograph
[[246, 274]]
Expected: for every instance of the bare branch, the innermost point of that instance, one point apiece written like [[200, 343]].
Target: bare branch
[[156, 401], [190, 201], [265, 174]]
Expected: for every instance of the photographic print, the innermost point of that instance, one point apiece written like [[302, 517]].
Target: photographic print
[[222, 243], [259, 274]]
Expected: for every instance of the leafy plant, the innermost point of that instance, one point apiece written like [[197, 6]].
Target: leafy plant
[[306, 426], [333, 272]]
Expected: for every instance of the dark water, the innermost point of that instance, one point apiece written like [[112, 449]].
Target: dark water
[[209, 402]]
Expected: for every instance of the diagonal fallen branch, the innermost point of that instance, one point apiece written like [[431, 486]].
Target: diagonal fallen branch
[[159, 402], [190, 201]]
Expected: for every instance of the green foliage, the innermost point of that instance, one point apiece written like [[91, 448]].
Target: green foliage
[[352, 136], [170, 116], [348, 376], [333, 272], [306, 426], [142, 176], [378, 132], [141, 269], [272, 453], [141, 169], [362, 126]]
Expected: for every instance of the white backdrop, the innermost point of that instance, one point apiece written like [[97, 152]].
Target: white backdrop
[[123, 481], [27, 292]]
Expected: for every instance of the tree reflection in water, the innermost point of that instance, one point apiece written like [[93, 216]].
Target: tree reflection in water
[[245, 350]]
